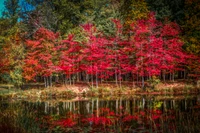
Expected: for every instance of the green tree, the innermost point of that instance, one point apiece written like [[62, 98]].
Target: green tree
[[191, 26], [67, 14], [12, 49], [35, 14], [133, 10], [172, 9], [11, 11], [100, 13], [12, 57]]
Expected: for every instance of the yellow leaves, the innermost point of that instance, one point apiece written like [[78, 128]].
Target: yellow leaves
[[193, 40], [191, 26], [138, 10]]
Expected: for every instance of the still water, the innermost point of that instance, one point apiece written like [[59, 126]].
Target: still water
[[141, 114]]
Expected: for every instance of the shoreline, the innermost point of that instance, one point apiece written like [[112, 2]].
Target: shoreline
[[73, 91]]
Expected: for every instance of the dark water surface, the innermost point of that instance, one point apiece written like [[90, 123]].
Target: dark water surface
[[142, 114]]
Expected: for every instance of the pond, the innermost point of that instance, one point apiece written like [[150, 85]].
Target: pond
[[144, 114]]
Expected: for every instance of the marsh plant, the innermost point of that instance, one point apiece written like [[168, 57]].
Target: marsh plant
[[17, 120]]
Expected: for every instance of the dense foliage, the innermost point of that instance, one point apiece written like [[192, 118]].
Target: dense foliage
[[96, 41]]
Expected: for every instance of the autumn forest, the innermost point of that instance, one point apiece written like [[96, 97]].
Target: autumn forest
[[96, 41]]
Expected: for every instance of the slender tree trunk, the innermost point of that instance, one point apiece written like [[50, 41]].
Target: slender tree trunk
[[164, 76], [116, 80], [142, 82], [48, 82], [51, 81], [120, 80], [70, 81], [96, 79], [133, 81], [87, 78], [77, 75], [101, 77], [73, 79], [45, 83], [184, 74], [92, 81]]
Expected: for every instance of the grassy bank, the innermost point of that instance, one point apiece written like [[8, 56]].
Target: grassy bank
[[104, 90]]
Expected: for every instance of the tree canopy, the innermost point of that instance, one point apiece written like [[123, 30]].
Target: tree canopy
[[93, 41]]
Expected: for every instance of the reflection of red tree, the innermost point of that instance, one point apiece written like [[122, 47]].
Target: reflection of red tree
[[130, 118], [98, 120], [65, 123], [109, 120]]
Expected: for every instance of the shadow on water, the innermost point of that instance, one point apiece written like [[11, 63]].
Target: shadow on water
[[142, 114]]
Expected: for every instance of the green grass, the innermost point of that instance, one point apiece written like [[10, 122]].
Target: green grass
[[6, 86]]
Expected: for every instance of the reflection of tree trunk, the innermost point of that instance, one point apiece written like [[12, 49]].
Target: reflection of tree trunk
[[173, 104], [46, 107], [143, 103], [185, 104], [58, 111], [70, 106], [78, 107], [92, 106], [164, 106], [127, 107], [74, 106], [97, 107], [117, 106], [131, 107], [88, 107], [120, 104]]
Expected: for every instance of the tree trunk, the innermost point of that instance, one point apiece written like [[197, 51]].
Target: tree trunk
[[45, 83], [96, 79], [142, 82], [116, 80]]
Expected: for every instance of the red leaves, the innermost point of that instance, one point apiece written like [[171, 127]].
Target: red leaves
[[157, 46], [153, 47], [129, 118], [38, 60], [43, 33], [65, 123], [170, 29], [98, 121]]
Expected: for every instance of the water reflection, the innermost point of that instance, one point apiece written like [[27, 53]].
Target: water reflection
[[143, 114], [88, 106]]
